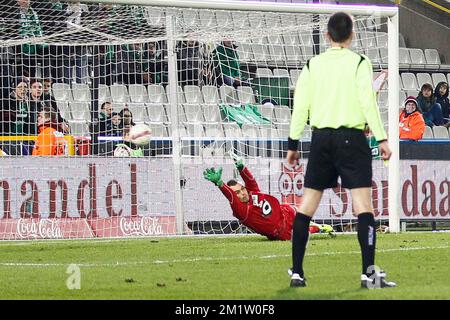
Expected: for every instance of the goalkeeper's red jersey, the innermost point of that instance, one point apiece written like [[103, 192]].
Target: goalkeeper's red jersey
[[263, 213]]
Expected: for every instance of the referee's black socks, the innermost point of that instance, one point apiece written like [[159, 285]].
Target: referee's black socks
[[367, 241], [300, 236]]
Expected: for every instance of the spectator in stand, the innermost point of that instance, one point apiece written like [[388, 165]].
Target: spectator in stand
[[37, 101], [116, 129], [131, 68], [104, 118], [15, 111], [154, 67], [75, 56], [441, 94], [50, 141], [431, 111], [26, 25], [127, 118], [188, 53], [411, 124], [227, 62]]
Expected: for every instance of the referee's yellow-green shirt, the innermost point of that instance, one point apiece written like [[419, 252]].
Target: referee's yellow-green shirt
[[335, 90]]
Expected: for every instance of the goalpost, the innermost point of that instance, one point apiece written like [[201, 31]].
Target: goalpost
[[171, 64]]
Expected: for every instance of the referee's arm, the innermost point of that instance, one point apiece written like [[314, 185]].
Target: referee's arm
[[302, 104], [368, 100]]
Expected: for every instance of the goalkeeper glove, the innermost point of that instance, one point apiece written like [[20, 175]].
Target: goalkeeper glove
[[238, 162], [214, 176]]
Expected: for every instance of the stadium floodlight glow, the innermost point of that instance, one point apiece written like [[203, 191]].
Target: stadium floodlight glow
[[162, 61]]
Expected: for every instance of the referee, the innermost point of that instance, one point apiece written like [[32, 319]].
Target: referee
[[334, 91]]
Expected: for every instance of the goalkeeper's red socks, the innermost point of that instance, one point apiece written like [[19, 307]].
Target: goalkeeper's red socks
[[300, 236], [367, 240]]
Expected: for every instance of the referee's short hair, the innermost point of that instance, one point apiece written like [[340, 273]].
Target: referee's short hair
[[340, 26]]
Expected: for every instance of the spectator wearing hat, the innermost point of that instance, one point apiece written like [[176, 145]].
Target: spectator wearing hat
[[411, 123]]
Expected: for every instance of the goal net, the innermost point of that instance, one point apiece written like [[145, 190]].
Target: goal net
[[76, 76]]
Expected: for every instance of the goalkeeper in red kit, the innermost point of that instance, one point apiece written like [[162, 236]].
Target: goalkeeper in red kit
[[260, 212]]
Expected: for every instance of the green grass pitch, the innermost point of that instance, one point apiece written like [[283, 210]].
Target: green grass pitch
[[248, 267]]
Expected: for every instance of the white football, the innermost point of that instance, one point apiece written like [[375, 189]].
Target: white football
[[140, 134], [122, 151]]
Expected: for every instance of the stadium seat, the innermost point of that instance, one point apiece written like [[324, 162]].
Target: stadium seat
[[282, 73], [440, 132], [214, 131], [211, 113], [438, 77], [293, 53], [374, 55], [412, 93], [193, 94], [283, 130], [244, 51], [194, 113], [181, 130], [306, 39], [119, 93], [81, 92], [401, 97], [368, 40], [267, 112], [294, 76], [263, 72], [277, 53], [210, 95], [434, 61], [63, 107], [103, 94], [291, 39], [275, 39], [428, 134], [62, 92], [245, 95], [138, 93], [282, 114], [404, 59], [260, 52], [80, 110], [228, 95], [409, 81], [384, 55], [180, 94], [417, 58], [159, 130], [383, 99], [156, 93], [139, 111], [195, 130], [232, 130], [79, 128], [181, 113], [423, 78], [382, 39], [156, 112]]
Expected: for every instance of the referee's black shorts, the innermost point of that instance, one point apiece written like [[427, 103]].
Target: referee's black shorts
[[338, 152]]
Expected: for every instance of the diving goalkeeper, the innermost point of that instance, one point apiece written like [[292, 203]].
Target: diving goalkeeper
[[260, 212]]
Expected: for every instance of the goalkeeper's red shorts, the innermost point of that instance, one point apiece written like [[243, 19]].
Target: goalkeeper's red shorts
[[342, 152]]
